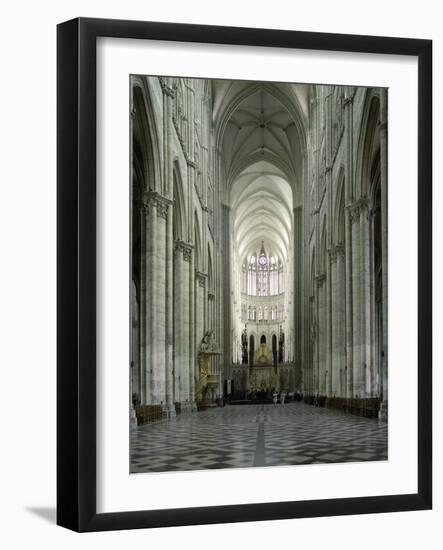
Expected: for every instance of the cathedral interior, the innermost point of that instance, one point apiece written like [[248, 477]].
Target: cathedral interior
[[259, 274]]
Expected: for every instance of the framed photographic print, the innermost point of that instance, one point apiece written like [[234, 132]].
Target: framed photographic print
[[244, 274]]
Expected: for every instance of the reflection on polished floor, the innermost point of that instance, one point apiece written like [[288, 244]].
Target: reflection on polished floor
[[239, 436]]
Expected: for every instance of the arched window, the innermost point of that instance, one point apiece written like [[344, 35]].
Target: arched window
[[251, 349], [244, 278], [273, 276], [273, 313], [274, 349], [252, 276], [263, 274]]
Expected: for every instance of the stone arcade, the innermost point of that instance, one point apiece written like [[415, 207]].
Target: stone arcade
[[259, 230]]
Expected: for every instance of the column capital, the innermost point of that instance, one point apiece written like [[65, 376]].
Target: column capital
[[152, 198], [166, 89], [356, 208], [184, 248], [320, 278], [201, 278], [336, 251]]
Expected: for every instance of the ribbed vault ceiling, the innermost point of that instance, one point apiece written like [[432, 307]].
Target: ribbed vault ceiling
[[261, 202], [261, 148], [257, 126]]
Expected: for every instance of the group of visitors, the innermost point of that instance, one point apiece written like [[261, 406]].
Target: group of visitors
[[282, 396]]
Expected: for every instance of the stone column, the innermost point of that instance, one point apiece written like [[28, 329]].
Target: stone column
[[145, 330], [211, 309], [328, 339], [297, 301], [359, 382], [210, 325], [218, 259], [349, 367], [135, 343], [150, 303], [169, 317], [200, 286], [348, 378], [335, 365], [182, 320], [158, 327], [178, 320], [204, 266], [191, 355], [341, 322], [305, 357], [152, 268], [312, 354], [156, 212], [329, 197], [226, 291], [365, 305], [321, 337], [384, 238]]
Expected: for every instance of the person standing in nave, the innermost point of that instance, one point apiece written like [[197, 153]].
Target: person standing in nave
[[275, 397], [282, 397]]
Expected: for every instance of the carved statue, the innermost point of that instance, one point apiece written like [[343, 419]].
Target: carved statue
[[244, 347], [208, 343]]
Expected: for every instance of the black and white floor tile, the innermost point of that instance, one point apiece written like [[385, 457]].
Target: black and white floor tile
[[239, 436]]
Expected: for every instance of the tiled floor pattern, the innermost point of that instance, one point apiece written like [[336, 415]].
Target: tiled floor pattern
[[239, 436]]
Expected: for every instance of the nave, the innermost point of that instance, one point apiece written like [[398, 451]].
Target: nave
[[259, 258], [259, 242]]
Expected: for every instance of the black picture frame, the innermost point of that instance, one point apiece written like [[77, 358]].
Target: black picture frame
[[76, 278]]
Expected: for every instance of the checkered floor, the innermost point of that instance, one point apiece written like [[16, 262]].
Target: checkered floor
[[238, 436]]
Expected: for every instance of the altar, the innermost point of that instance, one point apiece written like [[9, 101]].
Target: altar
[[262, 374], [262, 378], [262, 357]]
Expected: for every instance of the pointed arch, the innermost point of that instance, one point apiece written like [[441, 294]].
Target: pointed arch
[[312, 290], [368, 143], [339, 209], [323, 247], [210, 271], [274, 348], [179, 205], [197, 243], [146, 153], [252, 338]]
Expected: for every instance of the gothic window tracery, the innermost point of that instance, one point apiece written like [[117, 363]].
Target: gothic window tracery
[[262, 274]]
